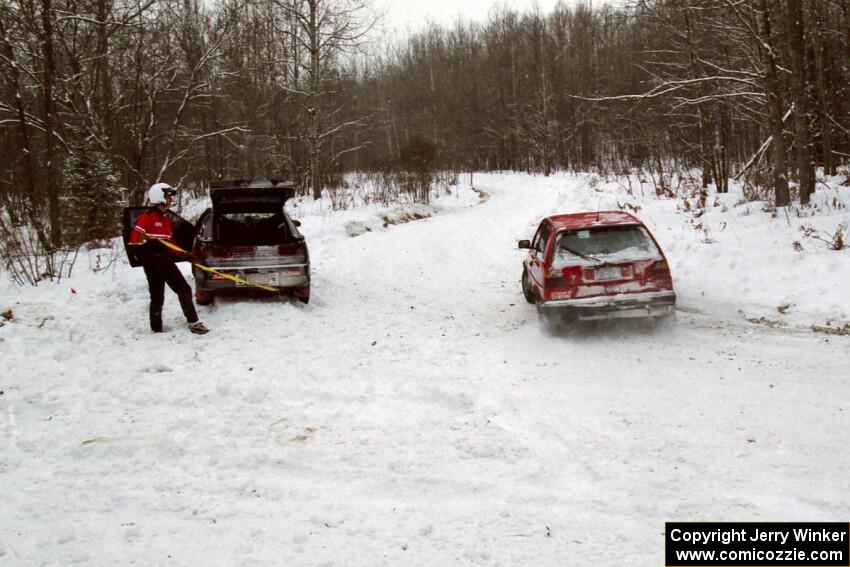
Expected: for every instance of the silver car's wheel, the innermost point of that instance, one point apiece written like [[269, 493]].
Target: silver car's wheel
[[204, 296]]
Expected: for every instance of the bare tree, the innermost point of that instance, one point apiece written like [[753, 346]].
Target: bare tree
[[323, 32], [51, 180], [802, 108], [774, 104]]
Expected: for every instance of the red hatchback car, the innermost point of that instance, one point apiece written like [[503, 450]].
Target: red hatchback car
[[600, 265]]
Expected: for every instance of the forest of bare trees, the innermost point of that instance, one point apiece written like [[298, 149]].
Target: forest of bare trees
[[732, 88], [101, 98]]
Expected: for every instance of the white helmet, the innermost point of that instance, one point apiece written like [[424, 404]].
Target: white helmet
[[158, 192]]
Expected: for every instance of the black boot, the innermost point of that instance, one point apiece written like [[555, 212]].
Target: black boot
[[156, 321]]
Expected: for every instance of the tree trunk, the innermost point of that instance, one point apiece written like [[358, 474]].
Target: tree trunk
[[104, 99], [774, 104], [315, 141], [822, 63], [51, 181], [802, 108]]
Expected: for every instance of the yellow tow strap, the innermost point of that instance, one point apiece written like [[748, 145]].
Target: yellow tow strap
[[222, 274]]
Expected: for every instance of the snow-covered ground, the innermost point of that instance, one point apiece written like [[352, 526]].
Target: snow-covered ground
[[416, 412]]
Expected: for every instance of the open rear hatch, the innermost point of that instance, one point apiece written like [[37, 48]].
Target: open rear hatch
[[236, 195], [250, 230]]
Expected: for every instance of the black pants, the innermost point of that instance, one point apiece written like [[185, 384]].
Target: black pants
[[159, 274]]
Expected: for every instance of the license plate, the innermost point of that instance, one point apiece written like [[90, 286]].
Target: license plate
[[612, 273], [261, 279], [252, 279]]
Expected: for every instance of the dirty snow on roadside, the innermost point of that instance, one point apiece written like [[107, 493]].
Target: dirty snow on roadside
[[416, 412]]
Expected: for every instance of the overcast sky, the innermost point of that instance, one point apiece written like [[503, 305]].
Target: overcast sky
[[402, 15]]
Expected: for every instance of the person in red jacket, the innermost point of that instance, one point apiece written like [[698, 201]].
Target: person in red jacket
[[153, 227]]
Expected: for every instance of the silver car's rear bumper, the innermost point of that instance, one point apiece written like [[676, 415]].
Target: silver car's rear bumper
[[280, 276], [622, 306]]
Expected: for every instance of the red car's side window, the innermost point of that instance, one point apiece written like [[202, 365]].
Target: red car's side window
[[541, 239]]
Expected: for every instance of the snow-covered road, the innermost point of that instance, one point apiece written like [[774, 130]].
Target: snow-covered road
[[415, 413]]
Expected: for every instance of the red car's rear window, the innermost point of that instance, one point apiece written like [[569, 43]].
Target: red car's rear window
[[604, 244]]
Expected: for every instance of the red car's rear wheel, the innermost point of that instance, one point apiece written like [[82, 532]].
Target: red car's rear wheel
[[527, 291]]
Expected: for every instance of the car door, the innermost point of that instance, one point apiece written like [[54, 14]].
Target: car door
[[537, 255]]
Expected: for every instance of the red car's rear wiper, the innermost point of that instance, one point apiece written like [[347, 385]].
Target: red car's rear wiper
[[579, 254]]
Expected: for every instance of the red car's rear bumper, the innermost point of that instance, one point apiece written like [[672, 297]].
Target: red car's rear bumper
[[622, 306]]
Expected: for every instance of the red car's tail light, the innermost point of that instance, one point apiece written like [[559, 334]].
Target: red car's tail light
[[569, 277], [660, 273], [554, 278]]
